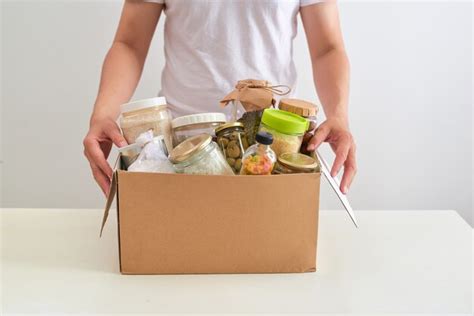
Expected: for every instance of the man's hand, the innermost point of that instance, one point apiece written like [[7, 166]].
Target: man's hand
[[336, 133], [97, 146]]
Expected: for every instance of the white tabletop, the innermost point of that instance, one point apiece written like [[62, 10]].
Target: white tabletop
[[397, 261]]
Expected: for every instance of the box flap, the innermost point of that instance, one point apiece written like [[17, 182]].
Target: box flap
[[110, 199], [111, 195]]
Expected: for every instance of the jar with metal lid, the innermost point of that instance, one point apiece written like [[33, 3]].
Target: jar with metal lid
[[199, 155], [287, 130], [288, 163], [190, 125], [149, 114], [233, 143]]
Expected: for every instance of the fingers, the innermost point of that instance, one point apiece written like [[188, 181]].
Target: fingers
[[101, 179], [116, 137], [342, 151], [350, 170], [319, 137], [96, 156]]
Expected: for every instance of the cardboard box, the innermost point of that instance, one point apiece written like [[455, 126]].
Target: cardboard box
[[175, 223]]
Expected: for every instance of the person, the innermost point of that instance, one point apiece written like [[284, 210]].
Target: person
[[209, 46]]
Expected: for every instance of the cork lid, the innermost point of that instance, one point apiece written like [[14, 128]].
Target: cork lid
[[300, 107]]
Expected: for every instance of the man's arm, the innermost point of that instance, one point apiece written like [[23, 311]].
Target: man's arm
[[121, 72], [331, 78]]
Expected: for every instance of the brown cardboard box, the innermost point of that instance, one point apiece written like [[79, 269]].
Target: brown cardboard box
[[174, 223]]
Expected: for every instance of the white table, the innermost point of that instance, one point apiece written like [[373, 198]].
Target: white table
[[397, 261]]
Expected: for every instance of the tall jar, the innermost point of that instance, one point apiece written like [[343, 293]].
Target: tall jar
[[287, 130], [149, 114], [305, 109], [199, 155], [233, 143], [302, 108]]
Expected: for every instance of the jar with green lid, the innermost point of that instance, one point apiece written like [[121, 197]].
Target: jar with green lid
[[233, 143], [288, 163], [199, 155], [287, 130]]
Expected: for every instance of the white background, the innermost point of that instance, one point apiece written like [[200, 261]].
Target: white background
[[411, 102]]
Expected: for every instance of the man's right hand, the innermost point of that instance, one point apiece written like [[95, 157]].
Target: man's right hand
[[97, 145]]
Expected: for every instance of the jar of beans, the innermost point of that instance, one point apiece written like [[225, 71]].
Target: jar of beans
[[233, 143]]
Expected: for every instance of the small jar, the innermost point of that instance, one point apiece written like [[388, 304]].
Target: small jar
[[143, 115], [199, 155], [259, 159], [288, 163], [195, 124], [287, 130], [233, 143]]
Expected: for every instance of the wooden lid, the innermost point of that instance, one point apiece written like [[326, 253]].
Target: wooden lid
[[299, 107]]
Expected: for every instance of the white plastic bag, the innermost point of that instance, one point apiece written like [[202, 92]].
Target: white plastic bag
[[153, 157]]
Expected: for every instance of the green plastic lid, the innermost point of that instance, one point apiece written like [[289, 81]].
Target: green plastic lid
[[284, 122]]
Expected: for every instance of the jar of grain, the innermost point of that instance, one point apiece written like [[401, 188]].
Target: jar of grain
[[287, 130], [149, 114]]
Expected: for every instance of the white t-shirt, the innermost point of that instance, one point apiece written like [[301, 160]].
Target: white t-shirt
[[210, 45]]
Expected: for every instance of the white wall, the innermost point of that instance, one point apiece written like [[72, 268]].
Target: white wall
[[411, 104]]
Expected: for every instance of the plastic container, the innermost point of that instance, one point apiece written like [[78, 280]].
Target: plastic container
[[259, 159], [287, 130], [233, 143], [199, 155], [195, 124], [289, 163], [143, 115]]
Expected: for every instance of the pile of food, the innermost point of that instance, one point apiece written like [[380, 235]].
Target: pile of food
[[264, 140]]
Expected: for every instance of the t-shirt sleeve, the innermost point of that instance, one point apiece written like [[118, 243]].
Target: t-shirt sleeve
[[310, 2]]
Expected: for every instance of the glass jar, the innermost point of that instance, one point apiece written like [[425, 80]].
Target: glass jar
[[199, 155], [287, 130], [288, 163], [302, 108], [233, 143], [195, 124], [305, 109], [143, 115], [259, 159]]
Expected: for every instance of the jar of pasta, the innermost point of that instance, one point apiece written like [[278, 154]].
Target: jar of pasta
[[233, 143], [287, 130], [199, 155], [149, 114]]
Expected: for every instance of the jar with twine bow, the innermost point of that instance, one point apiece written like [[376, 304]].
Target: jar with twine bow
[[251, 97]]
